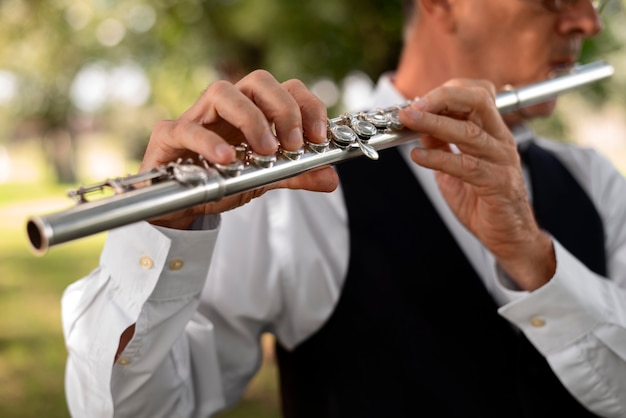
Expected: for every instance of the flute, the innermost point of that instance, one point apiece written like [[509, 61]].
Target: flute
[[184, 184]]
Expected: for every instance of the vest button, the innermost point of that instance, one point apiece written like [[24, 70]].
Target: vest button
[[176, 264]]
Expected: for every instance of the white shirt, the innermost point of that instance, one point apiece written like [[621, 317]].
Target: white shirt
[[277, 265]]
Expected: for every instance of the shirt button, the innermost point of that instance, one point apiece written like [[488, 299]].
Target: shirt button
[[146, 262], [176, 264], [123, 361], [537, 322]]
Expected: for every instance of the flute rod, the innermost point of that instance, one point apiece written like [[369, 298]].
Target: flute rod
[[180, 186]]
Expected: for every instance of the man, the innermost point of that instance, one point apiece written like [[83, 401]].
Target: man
[[426, 281]]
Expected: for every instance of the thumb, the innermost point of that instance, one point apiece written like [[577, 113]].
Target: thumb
[[324, 179]]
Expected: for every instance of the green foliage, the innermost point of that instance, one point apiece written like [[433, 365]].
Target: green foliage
[[181, 44], [32, 352], [308, 39]]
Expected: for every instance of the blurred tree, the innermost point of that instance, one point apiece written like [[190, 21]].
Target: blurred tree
[[37, 54], [182, 46], [47, 44], [179, 47], [307, 39]]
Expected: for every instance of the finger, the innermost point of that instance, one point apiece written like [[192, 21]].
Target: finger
[[466, 135], [465, 117], [171, 140], [431, 142], [473, 103], [459, 99], [468, 168], [314, 113], [484, 91], [465, 82], [324, 179], [224, 101], [278, 106]]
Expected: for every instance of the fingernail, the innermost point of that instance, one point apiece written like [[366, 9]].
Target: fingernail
[[224, 152], [419, 153], [295, 137], [268, 140], [419, 104], [320, 129], [414, 114]]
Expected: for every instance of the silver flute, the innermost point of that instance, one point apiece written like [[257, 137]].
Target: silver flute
[[184, 184]]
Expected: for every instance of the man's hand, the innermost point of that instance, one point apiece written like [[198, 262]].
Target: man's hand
[[483, 184], [228, 114]]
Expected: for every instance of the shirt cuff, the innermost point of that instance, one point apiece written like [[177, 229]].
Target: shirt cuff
[[146, 261], [563, 310], [186, 265]]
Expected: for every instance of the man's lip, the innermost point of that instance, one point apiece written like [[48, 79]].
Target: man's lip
[[561, 66], [563, 62]]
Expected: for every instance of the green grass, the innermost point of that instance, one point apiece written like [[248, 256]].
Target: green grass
[[32, 351]]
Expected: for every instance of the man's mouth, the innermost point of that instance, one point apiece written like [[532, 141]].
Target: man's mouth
[[561, 66]]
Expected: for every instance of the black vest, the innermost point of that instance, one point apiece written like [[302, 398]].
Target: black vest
[[415, 333]]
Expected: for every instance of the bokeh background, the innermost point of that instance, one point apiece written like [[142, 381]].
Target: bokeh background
[[82, 82]]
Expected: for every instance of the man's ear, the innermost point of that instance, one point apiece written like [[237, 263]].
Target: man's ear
[[442, 11]]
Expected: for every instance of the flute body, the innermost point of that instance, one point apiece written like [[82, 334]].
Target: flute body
[[181, 185]]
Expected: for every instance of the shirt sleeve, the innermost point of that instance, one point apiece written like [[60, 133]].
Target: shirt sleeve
[[200, 304], [578, 319], [151, 277]]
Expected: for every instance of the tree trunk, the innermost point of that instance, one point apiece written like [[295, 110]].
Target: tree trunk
[[59, 148]]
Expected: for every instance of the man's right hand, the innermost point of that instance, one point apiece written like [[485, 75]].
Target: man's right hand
[[228, 114]]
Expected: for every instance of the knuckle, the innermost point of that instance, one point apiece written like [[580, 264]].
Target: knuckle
[[260, 75], [162, 126], [439, 124], [471, 165], [218, 87], [450, 89], [294, 83], [487, 91], [178, 128], [162, 130], [482, 93], [455, 82], [314, 106], [473, 131], [306, 98]]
